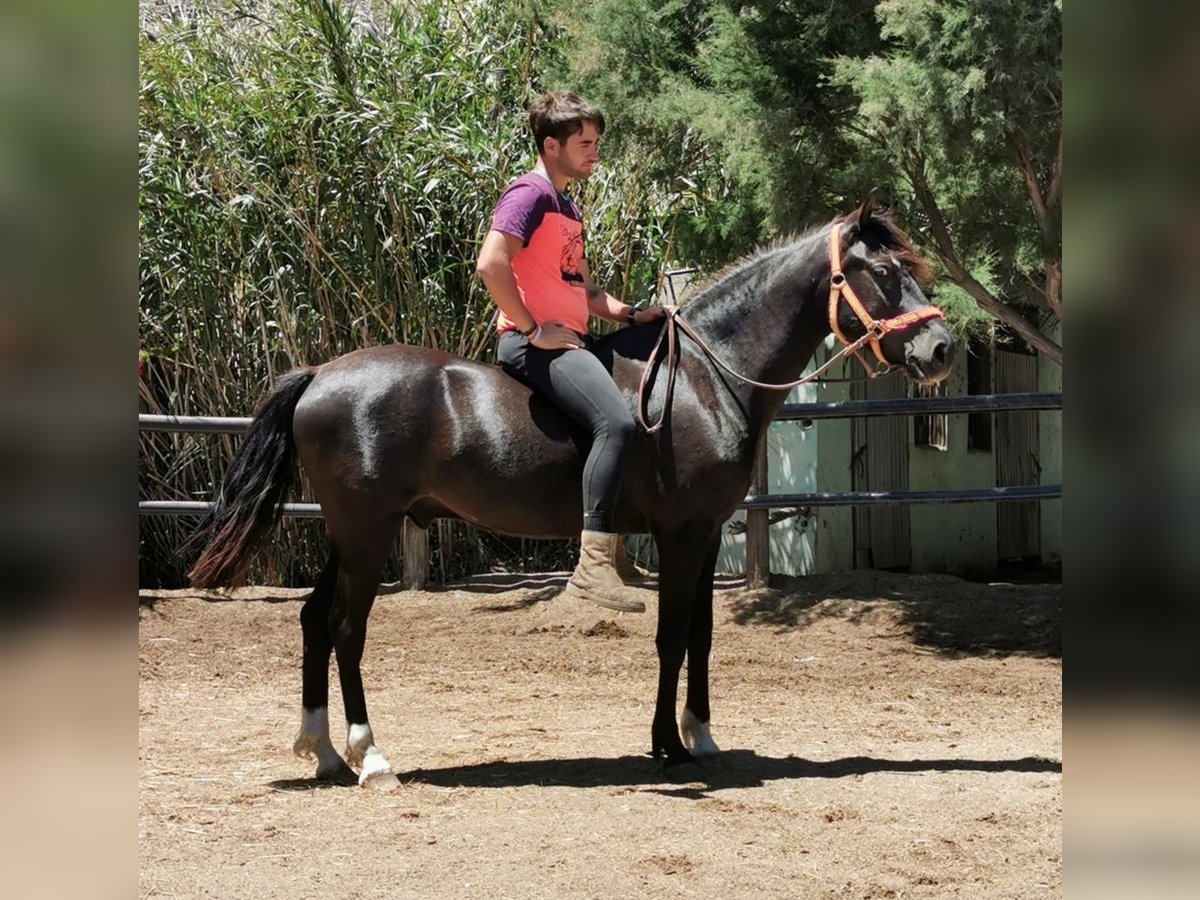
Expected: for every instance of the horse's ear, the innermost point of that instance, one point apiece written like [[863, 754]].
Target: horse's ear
[[857, 221], [862, 215]]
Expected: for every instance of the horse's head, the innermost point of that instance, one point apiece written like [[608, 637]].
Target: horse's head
[[879, 290]]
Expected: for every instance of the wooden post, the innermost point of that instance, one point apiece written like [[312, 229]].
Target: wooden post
[[415, 557], [758, 539]]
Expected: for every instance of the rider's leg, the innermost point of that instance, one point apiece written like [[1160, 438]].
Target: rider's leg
[[578, 383]]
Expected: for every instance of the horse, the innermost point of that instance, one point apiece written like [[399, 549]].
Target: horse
[[395, 431]]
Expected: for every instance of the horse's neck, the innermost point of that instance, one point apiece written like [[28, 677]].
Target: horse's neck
[[765, 322]]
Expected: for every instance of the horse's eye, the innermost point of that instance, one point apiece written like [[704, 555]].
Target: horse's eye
[[881, 270]]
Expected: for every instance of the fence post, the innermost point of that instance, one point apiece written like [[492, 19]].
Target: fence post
[[758, 533], [415, 559]]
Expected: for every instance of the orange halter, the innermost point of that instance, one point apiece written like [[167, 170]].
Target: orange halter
[[876, 328]]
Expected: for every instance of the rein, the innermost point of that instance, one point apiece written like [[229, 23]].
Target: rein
[[838, 287]]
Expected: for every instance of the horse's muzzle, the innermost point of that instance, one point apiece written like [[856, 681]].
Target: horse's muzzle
[[929, 356]]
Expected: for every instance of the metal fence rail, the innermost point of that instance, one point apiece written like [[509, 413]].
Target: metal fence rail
[[880, 498], [209, 424], [792, 411], [922, 406], [200, 507]]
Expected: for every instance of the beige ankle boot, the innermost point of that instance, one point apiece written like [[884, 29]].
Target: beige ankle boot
[[631, 574], [596, 579]]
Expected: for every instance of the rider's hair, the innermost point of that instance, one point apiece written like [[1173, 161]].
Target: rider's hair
[[559, 115]]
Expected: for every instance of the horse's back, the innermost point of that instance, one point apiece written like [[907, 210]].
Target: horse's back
[[430, 434], [401, 386]]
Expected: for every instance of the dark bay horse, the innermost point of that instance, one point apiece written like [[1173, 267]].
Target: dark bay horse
[[396, 431]]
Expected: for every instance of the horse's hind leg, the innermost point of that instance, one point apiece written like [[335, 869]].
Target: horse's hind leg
[[356, 586], [313, 739], [694, 721]]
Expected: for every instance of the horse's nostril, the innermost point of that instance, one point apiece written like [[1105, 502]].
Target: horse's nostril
[[939, 351]]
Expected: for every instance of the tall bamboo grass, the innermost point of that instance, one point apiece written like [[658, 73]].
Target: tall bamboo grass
[[316, 180]]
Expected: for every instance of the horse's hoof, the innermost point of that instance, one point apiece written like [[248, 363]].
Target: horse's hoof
[[377, 774], [385, 782], [338, 774], [697, 737], [312, 743]]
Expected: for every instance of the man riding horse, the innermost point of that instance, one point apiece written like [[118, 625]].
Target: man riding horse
[[534, 266]]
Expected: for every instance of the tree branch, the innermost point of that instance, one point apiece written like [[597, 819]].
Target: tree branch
[[1041, 209], [1054, 191], [960, 276], [1043, 205], [1053, 289]]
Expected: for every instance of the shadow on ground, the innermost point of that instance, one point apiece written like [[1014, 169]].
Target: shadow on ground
[[944, 613], [733, 769]]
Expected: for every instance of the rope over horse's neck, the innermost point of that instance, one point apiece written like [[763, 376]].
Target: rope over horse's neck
[[676, 322]]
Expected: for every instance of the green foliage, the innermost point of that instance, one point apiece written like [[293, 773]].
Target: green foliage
[[317, 180], [731, 99], [319, 183], [959, 88], [784, 113]]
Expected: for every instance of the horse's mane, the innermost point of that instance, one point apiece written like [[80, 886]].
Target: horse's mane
[[880, 225], [744, 262]]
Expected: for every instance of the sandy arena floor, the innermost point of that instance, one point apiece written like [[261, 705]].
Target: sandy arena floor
[[884, 736]]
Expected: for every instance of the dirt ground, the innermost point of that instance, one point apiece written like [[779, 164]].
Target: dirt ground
[[883, 735]]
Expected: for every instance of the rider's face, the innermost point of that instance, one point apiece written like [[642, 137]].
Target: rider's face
[[577, 156]]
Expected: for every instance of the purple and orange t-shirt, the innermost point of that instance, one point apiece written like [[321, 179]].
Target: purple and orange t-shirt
[[547, 268]]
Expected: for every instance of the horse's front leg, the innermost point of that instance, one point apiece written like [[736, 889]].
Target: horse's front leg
[[694, 723], [679, 572], [313, 739]]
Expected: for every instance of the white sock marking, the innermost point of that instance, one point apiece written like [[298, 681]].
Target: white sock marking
[[361, 751], [696, 735], [313, 740]]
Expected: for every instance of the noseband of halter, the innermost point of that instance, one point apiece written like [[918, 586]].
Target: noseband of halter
[[839, 287]]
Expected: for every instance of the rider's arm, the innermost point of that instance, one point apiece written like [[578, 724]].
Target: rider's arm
[[606, 306], [601, 303], [495, 268]]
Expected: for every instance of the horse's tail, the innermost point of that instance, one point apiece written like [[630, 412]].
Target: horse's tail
[[250, 500]]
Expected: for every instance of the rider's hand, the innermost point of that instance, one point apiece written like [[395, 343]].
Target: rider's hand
[[653, 313], [553, 336]]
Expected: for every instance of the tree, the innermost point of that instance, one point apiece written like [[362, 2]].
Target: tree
[[782, 113], [967, 103], [732, 100]]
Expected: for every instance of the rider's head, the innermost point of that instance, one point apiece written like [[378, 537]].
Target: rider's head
[[559, 115]]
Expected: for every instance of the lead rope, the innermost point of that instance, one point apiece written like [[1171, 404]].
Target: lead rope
[[676, 321]]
